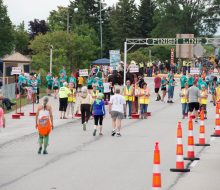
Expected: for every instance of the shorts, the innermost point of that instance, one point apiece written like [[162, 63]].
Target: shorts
[[98, 119], [55, 87], [156, 90], [163, 89], [49, 86], [63, 104], [117, 115], [193, 105]]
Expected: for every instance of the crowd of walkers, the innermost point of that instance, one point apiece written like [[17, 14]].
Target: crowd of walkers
[[84, 97]]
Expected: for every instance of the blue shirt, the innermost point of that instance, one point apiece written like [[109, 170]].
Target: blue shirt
[[98, 108]]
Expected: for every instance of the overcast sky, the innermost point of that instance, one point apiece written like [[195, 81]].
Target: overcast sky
[[26, 10]]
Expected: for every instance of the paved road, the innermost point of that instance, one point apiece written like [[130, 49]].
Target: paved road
[[79, 161]]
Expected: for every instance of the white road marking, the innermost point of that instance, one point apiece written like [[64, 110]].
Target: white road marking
[[212, 139], [194, 163]]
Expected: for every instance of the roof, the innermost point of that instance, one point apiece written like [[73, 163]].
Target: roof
[[16, 58], [103, 61]]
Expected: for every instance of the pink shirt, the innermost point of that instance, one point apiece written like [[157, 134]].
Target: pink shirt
[[157, 82], [1, 117]]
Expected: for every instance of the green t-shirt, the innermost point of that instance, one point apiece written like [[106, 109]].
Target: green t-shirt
[[190, 81], [62, 80], [49, 80], [183, 81], [72, 80]]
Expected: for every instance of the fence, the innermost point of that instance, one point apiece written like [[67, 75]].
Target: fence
[[8, 90]]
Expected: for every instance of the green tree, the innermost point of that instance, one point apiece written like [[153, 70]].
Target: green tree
[[21, 39], [57, 19], [6, 31], [192, 17], [145, 18], [123, 22], [69, 49]]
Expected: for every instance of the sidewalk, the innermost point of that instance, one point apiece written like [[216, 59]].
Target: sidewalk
[[205, 173], [17, 128]]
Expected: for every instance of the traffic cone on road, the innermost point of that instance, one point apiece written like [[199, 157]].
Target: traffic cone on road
[[156, 182], [190, 152], [202, 130], [217, 122], [179, 152]]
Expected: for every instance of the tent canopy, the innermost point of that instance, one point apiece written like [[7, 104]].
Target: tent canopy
[[103, 61]]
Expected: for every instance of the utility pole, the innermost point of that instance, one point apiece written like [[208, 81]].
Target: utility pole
[[100, 9]]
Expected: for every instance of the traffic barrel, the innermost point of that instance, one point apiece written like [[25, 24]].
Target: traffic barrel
[[217, 122], [190, 151], [156, 182], [179, 152], [202, 141]]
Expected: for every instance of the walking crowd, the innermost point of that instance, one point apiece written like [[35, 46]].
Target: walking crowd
[[81, 96]]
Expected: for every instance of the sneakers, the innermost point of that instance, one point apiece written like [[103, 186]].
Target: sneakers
[[45, 152], [84, 126], [39, 151], [94, 132], [118, 134], [113, 133]]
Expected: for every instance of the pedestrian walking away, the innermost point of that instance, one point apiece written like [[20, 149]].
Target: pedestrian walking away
[[85, 106], [117, 109], [98, 110], [44, 124], [193, 95]]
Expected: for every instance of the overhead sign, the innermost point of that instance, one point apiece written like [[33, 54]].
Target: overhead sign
[[115, 58], [16, 71], [194, 71], [83, 72]]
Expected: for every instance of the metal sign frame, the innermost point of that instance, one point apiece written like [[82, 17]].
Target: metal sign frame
[[164, 41]]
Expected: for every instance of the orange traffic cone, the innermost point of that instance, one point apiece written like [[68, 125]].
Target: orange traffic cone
[[156, 182], [190, 152], [179, 152], [217, 122], [202, 130]]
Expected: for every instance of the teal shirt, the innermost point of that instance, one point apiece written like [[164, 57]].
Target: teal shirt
[[163, 83], [21, 79], [72, 80], [183, 80], [190, 81], [171, 83], [100, 86], [49, 80], [90, 81], [203, 83], [62, 80]]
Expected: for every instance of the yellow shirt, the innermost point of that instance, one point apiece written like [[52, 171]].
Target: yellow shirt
[[128, 93], [204, 99], [64, 92], [217, 94], [183, 96], [143, 99], [72, 95], [80, 80]]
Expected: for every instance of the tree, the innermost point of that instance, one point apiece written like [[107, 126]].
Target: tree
[[37, 27], [123, 22], [21, 38], [192, 17], [57, 19], [6, 31], [69, 49], [145, 18]]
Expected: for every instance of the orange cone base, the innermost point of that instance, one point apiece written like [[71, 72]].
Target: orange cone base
[[21, 113], [179, 170], [215, 135], [15, 116], [77, 115], [202, 144], [148, 113], [192, 159], [32, 114]]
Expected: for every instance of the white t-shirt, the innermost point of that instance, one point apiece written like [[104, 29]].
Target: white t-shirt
[[117, 101], [106, 87]]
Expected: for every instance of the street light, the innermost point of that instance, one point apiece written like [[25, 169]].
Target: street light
[[51, 57], [68, 20], [100, 23]]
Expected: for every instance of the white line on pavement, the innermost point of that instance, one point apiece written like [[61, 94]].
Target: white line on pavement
[[194, 163], [212, 139]]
